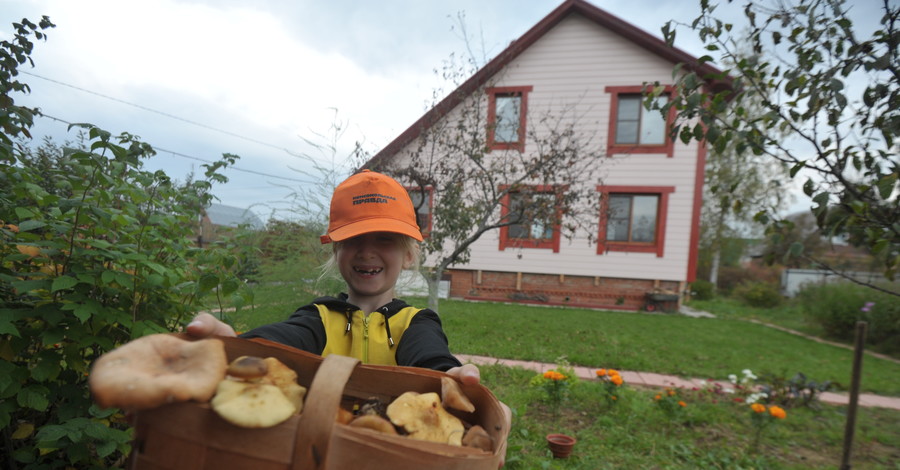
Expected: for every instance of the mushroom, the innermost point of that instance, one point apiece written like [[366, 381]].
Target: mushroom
[[248, 367], [251, 405], [423, 417], [285, 379], [157, 369], [452, 396], [375, 423], [478, 438]]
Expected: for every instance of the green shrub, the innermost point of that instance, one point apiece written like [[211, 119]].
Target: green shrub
[[703, 290], [94, 251], [730, 277], [837, 307], [759, 294]]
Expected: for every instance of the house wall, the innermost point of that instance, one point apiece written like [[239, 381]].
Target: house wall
[[574, 63]]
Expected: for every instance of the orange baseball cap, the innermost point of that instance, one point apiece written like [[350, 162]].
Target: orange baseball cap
[[370, 202]]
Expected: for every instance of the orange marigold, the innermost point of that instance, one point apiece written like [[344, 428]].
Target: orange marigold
[[601, 372], [758, 408], [554, 375], [777, 412], [616, 379], [682, 404], [613, 372]]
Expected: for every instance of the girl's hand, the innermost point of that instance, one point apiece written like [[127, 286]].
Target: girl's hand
[[469, 374], [205, 325]]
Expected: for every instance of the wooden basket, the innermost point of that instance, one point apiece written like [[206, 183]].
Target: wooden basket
[[191, 436]]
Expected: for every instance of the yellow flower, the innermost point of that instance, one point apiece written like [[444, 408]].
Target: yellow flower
[[777, 412], [758, 408]]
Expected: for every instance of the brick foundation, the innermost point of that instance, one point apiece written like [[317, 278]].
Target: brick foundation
[[557, 289]]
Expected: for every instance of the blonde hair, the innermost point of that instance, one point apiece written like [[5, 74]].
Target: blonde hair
[[330, 271]]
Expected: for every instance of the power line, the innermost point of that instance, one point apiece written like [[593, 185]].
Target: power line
[[162, 113], [179, 154]]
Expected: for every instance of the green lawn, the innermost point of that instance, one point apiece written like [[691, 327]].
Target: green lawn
[[661, 343], [712, 431]]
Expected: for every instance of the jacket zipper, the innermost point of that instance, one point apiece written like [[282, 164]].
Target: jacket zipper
[[365, 339]]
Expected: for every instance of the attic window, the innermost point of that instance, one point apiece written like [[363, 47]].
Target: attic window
[[507, 111], [633, 128], [422, 199], [633, 218]]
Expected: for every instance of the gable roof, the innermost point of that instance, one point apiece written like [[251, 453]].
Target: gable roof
[[230, 216], [598, 16]]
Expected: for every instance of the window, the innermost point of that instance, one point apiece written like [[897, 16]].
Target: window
[[422, 199], [634, 129], [535, 215], [633, 218], [507, 109]]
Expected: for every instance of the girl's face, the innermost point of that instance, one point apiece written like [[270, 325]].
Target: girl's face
[[370, 264]]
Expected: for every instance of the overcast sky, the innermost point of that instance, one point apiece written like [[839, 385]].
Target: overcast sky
[[197, 79]]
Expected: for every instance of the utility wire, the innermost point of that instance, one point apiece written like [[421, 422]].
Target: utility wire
[[178, 154], [162, 113]]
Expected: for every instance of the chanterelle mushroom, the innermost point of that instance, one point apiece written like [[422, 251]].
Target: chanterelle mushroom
[[251, 405], [423, 417], [452, 396], [157, 369]]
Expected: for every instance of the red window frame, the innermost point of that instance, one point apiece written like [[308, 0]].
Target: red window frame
[[662, 212], [543, 243], [429, 193], [667, 147], [493, 93]]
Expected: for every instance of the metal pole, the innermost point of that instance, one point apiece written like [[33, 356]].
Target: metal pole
[[854, 392]]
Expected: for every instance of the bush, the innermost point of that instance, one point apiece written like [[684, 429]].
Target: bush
[[703, 290], [94, 251], [837, 307], [759, 294], [732, 277]]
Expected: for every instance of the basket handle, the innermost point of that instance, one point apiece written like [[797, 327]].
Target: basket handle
[[320, 411]]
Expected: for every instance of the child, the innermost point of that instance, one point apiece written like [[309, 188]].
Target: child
[[375, 235], [373, 228]]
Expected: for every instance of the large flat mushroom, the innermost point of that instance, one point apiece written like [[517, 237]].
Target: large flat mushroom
[[157, 369]]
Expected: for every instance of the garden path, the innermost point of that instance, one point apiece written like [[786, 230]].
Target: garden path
[[650, 379]]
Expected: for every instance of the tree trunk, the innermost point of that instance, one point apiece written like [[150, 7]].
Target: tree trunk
[[714, 265], [434, 282]]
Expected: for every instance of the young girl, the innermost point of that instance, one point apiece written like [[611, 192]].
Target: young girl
[[373, 227], [374, 233]]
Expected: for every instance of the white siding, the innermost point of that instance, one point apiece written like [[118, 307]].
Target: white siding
[[573, 63]]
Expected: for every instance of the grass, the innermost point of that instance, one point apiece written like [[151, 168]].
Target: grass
[[711, 432], [662, 343]]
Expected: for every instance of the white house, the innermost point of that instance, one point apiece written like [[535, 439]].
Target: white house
[[647, 229]]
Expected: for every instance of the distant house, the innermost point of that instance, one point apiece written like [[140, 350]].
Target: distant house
[[647, 231], [218, 219]]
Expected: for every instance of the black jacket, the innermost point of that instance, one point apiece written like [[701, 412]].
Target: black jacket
[[395, 334]]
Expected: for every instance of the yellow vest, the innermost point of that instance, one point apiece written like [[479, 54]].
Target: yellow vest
[[367, 338]]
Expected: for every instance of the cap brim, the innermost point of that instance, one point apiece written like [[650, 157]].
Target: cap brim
[[374, 225]]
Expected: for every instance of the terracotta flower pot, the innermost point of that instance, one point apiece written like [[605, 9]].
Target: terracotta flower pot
[[560, 445]]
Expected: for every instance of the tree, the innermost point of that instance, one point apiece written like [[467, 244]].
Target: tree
[[759, 186], [837, 94], [475, 190]]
